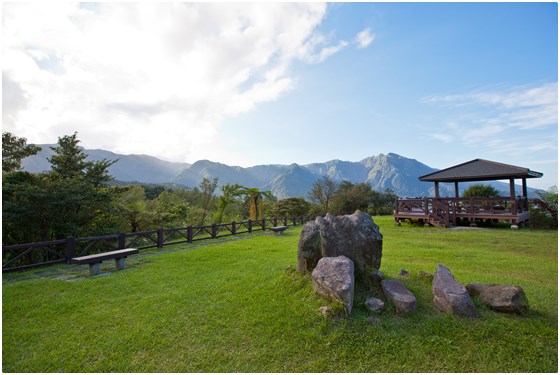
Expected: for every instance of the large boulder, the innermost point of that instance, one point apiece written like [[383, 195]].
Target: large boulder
[[354, 236], [450, 296], [402, 298], [498, 297], [334, 278]]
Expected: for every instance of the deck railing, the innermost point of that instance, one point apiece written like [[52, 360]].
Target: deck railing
[[463, 205], [23, 256]]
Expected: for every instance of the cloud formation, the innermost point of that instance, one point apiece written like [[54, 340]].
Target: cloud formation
[[364, 38], [499, 119], [127, 74]]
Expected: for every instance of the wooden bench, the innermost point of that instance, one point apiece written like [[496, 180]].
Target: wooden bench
[[278, 230], [95, 260]]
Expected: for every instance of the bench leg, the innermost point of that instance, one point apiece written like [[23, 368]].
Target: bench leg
[[119, 263], [94, 269]]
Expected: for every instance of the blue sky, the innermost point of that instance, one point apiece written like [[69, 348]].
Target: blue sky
[[442, 83]]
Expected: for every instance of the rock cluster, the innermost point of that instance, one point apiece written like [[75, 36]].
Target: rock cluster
[[355, 236], [342, 251]]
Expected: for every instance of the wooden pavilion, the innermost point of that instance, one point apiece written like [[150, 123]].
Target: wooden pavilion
[[448, 211]]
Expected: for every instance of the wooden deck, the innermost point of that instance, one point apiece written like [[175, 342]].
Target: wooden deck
[[446, 212]]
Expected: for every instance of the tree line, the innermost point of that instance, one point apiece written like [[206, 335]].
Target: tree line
[[77, 198]]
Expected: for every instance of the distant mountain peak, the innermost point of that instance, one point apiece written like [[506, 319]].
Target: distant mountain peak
[[390, 171]]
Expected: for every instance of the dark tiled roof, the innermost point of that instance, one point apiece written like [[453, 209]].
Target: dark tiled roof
[[480, 170]]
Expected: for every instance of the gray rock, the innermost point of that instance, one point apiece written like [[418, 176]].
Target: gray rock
[[372, 320], [402, 298], [377, 276], [425, 276], [354, 236], [374, 304], [334, 278], [325, 311], [498, 297], [403, 273], [450, 296]]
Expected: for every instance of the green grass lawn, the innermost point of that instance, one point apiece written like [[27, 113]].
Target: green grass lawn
[[235, 305]]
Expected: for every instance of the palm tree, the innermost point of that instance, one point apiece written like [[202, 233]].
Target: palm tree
[[254, 197]]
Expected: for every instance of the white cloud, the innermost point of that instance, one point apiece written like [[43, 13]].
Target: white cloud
[[521, 107], [364, 38], [516, 122], [150, 77]]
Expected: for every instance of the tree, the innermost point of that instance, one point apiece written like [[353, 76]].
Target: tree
[[382, 203], [207, 187], [351, 197], [255, 198], [133, 208], [480, 190], [64, 202], [172, 209], [14, 150], [69, 161], [544, 209], [229, 196], [291, 207], [322, 192]]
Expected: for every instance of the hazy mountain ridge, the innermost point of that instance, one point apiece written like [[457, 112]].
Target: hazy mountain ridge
[[390, 171]]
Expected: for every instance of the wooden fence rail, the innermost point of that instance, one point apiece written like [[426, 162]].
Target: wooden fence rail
[[23, 256]]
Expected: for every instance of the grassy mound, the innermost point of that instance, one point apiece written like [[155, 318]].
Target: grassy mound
[[237, 306]]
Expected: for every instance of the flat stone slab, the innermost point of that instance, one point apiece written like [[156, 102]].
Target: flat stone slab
[[402, 298], [499, 297], [450, 296]]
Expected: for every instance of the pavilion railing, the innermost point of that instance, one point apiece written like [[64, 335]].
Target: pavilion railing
[[462, 206]]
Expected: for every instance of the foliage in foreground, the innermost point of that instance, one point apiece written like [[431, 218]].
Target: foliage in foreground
[[237, 306]]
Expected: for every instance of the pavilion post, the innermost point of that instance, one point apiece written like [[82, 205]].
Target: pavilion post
[[512, 189], [456, 189], [436, 187], [524, 187], [512, 196]]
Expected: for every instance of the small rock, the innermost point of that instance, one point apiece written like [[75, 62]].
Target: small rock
[[377, 276], [403, 273], [374, 304], [498, 297], [425, 276], [402, 298], [372, 320], [334, 278], [450, 296], [325, 311]]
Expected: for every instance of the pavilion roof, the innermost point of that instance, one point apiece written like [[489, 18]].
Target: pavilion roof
[[480, 170]]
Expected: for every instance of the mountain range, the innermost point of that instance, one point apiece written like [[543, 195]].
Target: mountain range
[[391, 171]]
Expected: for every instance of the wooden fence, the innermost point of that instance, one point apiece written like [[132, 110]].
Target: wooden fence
[[24, 256]]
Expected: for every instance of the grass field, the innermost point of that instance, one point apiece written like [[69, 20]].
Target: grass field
[[235, 305]]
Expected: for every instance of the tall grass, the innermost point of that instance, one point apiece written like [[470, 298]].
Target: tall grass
[[237, 306]]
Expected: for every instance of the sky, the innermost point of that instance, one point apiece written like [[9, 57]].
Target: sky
[[281, 83]]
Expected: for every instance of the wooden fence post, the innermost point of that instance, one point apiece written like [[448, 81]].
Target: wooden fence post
[[250, 225], [189, 233], [275, 222], [263, 224], [160, 237], [233, 228], [122, 240], [214, 231], [70, 248]]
